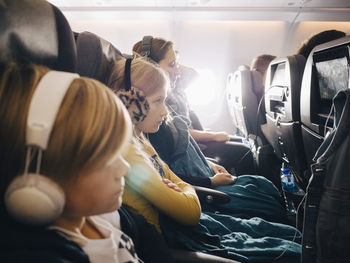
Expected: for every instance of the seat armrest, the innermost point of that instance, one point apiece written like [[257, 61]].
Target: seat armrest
[[184, 256], [211, 196], [235, 138]]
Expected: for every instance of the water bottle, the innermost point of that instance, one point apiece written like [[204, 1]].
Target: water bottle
[[288, 186], [287, 179]]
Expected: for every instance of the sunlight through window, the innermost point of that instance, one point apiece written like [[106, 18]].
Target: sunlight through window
[[202, 91]]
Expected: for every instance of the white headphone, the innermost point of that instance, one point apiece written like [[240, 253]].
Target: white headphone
[[33, 198]]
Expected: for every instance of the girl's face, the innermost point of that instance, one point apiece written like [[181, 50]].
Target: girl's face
[[96, 192], [169, 64], [156, 114]]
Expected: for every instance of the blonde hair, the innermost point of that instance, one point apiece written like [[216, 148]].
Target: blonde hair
[[159, 48], [143, 75], [91, 128]]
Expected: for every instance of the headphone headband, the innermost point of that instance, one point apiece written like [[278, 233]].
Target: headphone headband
[[127, 73], [146, 46], [44, 106]]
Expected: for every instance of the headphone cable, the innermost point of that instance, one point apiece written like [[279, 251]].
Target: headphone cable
[[296, 229]]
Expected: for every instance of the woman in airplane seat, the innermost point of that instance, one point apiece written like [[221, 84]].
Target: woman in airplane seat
[[56, 215], [261, 64], [177, 99], [250, 195], [162, 52], [154, 191]]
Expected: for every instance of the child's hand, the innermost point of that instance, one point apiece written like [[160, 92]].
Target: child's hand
[[221, 136], [222, 179], [217, 168], [171, 185]]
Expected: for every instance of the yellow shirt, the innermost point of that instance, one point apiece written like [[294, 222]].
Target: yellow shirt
[[146, 193]]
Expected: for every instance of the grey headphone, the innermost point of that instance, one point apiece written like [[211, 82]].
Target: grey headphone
[[146, 49], [146, 46], [32, 198]]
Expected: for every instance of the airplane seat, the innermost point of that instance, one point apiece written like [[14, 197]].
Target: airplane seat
[[36, 32], [327, 205], [282, 105], [245, 90], [243, 100], [96, 58], [326, 72]]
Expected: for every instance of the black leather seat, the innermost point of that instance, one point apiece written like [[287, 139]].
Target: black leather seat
[[96, 56], [36, 32], [316, 98], [245, 90], [282, 104], [326, 139], [243, 101]]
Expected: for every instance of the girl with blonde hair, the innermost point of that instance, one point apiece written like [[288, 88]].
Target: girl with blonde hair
[[82, 163], [151, 187]]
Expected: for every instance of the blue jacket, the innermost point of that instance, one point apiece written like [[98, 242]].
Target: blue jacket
[[179, 150]]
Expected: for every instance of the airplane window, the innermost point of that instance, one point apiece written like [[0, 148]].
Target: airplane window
[[202, 91]]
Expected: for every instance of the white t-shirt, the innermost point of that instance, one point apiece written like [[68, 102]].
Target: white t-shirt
[[116, 247]]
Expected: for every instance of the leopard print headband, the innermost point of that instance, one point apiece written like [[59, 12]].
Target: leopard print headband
[[133, 98]]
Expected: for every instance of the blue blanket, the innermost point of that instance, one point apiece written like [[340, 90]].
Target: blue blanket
[[245, 240], [251, 195]]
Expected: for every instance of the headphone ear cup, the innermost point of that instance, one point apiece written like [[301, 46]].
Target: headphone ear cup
[[34, 199], [146, 46]]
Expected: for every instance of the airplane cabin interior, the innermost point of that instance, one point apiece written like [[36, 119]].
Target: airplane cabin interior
[[286, 128]]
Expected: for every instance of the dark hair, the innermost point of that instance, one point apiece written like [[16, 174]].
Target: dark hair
[[317, 39], [260, 63], [159, 48]]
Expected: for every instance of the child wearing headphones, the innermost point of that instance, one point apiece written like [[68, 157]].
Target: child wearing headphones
[[61, 166], [150, 184], [168, 202]]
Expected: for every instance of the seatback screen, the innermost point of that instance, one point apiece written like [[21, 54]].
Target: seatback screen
[[332, 76]]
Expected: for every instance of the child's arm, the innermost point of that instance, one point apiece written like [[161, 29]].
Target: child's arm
[[183, 206], [208, 136]]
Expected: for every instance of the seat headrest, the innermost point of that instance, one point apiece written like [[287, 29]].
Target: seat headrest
[[96, 56], [257, 84], [36, 32]]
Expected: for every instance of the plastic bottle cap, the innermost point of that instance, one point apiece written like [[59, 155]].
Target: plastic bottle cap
[[285, 171]]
